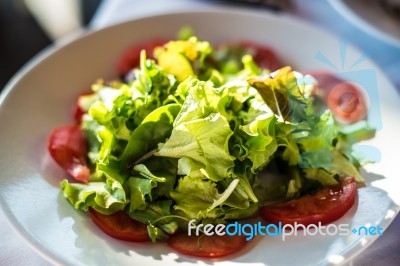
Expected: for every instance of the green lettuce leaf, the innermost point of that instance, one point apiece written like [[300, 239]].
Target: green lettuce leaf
[[155, 128], [260, 141], [140, 192], [282, 94], [105, 197], [140, 188], [194, 196], [200, 199], [204, 141], [158, 218], [202, 99]]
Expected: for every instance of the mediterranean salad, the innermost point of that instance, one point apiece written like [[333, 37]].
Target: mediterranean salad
[[213, 134]]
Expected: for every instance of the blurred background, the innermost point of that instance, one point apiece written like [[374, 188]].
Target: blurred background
[[28, 26], [25, 29]]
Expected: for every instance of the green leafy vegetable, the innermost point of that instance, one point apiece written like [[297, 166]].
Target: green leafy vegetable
[[105, 197], [204, 141], [282, 94], [198, 133]]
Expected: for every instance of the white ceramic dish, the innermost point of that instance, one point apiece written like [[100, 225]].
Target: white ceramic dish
[[40, 96], [370, 16]]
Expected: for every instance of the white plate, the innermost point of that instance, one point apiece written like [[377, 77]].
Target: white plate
[[370, 16], [40, 96]]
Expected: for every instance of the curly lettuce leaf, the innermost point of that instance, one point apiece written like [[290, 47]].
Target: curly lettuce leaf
[[140, 192], [194, 196], [204, 141], [282, 94], [202, 99], [105, 197], [147, 186], [157, 216], [200, 199], [155, 128], [260, 141]]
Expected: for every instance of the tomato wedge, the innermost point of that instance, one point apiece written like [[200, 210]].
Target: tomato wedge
[[325, 206], [343, 98], [213, 246], [264, 56], [67, 146], [131, 57], [120, 226]]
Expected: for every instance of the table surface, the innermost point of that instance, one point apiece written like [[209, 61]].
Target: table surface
[[385, 250]]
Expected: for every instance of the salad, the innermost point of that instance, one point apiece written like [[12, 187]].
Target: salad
[[214, 134]]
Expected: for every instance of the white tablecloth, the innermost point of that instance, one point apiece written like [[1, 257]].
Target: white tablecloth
[[384, 251]]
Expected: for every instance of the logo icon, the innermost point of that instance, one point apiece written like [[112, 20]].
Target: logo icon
[[353, 94]]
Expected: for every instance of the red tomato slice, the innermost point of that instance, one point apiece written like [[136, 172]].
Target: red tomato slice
[[325, 206], [77, 111], [210, 246], [344, 99], [131, 57], [263, 56], [67, 146], [120, 226]]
